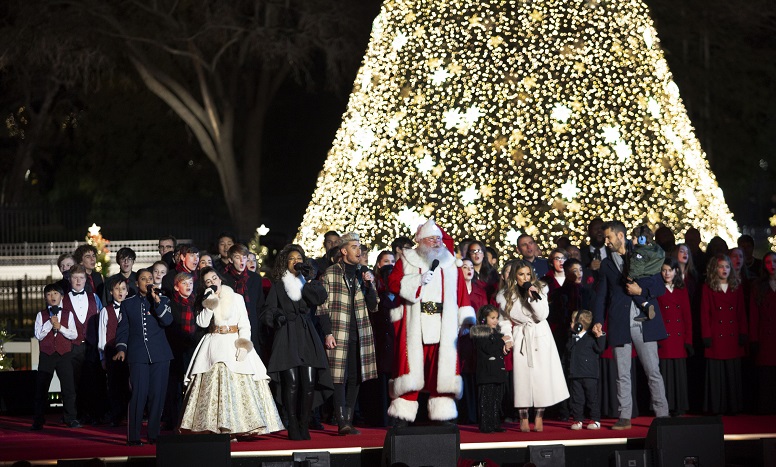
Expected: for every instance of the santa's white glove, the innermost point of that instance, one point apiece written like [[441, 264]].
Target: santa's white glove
[[241, 354], [426, 277]]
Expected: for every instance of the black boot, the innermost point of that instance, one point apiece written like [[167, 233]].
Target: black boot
[[349, 418], [342, 421], [290, 398], [306, 411]]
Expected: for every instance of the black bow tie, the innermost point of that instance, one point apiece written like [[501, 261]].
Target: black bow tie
[[116, 306], [78, 293]]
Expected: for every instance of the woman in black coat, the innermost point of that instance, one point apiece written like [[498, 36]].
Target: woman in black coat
[[298, 361]]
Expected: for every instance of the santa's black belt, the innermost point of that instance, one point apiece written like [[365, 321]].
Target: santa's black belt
[[430, 308]]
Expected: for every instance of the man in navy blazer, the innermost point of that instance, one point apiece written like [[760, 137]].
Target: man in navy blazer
[[616, 306], [140, 339]]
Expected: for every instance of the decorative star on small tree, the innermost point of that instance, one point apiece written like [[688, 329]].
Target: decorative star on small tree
[[95, 239], [257, 248]]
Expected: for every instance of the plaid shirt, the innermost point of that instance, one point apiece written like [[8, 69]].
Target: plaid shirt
[[337, 308]]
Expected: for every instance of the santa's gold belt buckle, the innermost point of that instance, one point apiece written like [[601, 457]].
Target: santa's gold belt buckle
[[431, 308]]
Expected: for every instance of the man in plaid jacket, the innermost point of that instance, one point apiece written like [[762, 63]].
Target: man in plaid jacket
[[344, 321], [435, 305]]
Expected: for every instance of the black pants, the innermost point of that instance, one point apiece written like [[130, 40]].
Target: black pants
[[47, 365], [584, 392], [149, 385], [346, 394], [489, 397], [118, 388]]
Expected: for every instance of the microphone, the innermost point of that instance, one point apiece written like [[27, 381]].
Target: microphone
[[298, 267], [53, 312], [434, 264], [525, 291], [214, 288]]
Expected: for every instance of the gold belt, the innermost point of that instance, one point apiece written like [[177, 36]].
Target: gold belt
[[430, 308], [223, 329]]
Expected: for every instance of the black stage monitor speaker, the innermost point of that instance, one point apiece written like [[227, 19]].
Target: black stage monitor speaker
[[680, 442], [551, 455], [632, 458], [422, 446], [212, 449], [312, 459]]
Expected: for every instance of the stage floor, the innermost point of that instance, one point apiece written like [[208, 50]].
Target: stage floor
[[55, 441]]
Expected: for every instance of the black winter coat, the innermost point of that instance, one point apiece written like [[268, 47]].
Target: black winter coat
[[490, 355], [583, 355]]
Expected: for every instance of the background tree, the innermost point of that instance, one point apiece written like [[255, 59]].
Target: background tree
[[219, 64]]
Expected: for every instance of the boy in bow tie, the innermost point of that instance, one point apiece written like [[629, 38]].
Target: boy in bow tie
[[55, 331], [117, 371]]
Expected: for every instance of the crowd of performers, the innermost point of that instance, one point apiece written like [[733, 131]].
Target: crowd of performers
[[201, 343]]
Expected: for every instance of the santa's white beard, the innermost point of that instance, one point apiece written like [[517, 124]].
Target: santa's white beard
[[430, 253]]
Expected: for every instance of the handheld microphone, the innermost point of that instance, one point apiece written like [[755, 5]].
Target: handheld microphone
[[214, 288], [434, 264], [525, 291], [298, 267], [53, 312]]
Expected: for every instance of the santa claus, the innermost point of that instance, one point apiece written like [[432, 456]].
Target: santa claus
[[435, 305]]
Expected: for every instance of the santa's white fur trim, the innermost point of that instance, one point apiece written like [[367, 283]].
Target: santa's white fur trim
[[410, 284], [403, 409], [293, 286], [458, 262], [442, 408], [397, 313], [414, 380], [241, 343], [467, 315], [447, 380]]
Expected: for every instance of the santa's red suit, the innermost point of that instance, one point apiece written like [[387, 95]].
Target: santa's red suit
[[426, 358]]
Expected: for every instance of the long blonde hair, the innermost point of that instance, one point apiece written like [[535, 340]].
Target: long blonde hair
[[512, 290], [712, 278]]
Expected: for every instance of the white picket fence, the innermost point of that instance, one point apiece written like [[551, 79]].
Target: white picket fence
[[39, 260]]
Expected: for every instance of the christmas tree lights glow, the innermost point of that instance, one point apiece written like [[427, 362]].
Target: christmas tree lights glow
[[502, 117]]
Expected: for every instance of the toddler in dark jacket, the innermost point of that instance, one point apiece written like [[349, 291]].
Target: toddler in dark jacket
[[491, 375], [584, 349]]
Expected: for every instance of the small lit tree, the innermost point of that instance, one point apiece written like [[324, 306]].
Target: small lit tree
[[95, 239]]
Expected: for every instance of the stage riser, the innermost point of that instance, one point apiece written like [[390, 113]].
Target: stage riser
[[737, 453]]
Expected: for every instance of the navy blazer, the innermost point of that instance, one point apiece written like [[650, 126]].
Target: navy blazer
[[614, 304], [141, 330]]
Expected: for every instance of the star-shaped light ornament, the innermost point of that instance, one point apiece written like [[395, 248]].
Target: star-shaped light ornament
[[569, 190], [649, 40], [452, 118], [536, 15], [611, 134], [470, 195], [399, 41], [472, 114], [410, 218], [623, 151], [94, 230], [426, 164], [512, 236], [561, 113], [439, 76], [653, 107]]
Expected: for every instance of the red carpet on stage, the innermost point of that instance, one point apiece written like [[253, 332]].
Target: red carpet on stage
[[55, 441]]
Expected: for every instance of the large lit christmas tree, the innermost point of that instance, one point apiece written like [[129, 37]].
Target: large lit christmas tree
[[502, 117]]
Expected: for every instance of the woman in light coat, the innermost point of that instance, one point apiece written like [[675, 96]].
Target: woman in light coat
[[538, 376], [228, 390]]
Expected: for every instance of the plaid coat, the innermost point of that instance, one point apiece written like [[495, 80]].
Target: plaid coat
[[337, 308]]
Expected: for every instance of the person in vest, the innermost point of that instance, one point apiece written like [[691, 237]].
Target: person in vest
[[117, 371], [140, 340], [426, 324], [86, 359], [55, 331]]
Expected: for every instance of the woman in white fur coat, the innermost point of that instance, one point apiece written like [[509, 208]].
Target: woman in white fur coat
[[538, 376], [228, 387]]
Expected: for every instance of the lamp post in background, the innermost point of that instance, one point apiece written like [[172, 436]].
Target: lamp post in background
[[256, 247]]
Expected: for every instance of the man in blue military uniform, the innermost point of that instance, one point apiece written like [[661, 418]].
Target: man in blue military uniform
[[140, 338]]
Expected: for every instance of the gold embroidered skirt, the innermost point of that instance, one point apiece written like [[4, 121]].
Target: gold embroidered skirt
[[220, 401]]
